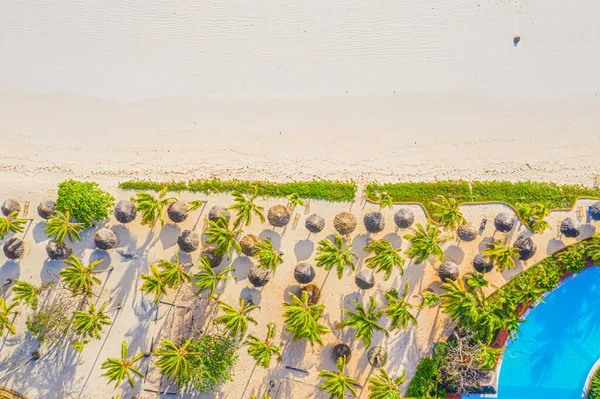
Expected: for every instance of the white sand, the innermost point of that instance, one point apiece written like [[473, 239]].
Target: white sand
[[286, 90]]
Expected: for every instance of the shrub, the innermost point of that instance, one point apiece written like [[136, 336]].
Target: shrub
[[425, 383], [212, 364], [85, 201]]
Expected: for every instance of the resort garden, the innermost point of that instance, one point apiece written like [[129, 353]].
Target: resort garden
[[354, 297]]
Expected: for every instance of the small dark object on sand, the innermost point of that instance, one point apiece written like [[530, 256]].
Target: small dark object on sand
[[516, 40]]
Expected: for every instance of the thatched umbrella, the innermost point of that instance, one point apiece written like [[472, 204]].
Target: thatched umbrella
[[504, 222], [58, 251], [344, 223], [14, 248], [259, 277], [374, 222], [365, 279], [177, 211], [448, 271], [304, 273], [210, 253], [595, 210], [217, 212], [9, 206], [526, 247], [467, 232], [315, 223], [105, 239], [125, 211], [404, 218], [278, 216], [314, 293], [377, 356], [481, 264], [248, 244], [46, 208], [341, 350], [570, 228], [188, 241]]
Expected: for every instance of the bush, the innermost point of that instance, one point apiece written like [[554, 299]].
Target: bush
[[85, 201], [425, 383], [325, 190], [594, 392], [212, 366]]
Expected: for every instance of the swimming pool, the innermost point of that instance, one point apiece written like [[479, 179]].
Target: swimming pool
[[558, 345]]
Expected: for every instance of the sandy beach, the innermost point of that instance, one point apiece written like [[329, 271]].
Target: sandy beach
[[284, 91]]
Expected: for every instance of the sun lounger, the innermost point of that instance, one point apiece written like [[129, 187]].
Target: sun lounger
[[580, 213], [295, 222], [307, 206], [26, 208]]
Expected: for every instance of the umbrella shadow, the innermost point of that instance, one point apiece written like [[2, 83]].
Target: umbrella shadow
[[168, 235], [304, 249], [38, 232], [554, 245], [242, 266], [455, 254], [273, 236]]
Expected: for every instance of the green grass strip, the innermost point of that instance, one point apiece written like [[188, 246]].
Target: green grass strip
[[335, 191], [554, 196]]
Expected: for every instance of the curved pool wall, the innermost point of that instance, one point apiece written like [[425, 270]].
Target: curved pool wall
[[557, 346]]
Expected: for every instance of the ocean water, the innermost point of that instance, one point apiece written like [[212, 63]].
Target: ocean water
[[558, 345]]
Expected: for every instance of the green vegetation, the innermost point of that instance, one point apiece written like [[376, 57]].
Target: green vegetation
[[551, 195], [501, 255], [246, 208], [386, 258], [11, 223], [222, 237], [235, 321], [152, 207], [28, 293], [398, 309], [78, 278], [173, 274], [338, 384], [426, 382], [425, 242], [6, 313], [89, 324], [153, 284], [594, 392], [84, 201], [302, 319], [268, 257], [201, 364], [326, 190], [263, 351], [336, 254], [363, 320], [119, 369], [446, 211], [382, 386], [59, 227], [207, 279]]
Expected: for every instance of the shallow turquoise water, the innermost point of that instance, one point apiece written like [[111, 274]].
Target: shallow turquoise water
[[558, 345]]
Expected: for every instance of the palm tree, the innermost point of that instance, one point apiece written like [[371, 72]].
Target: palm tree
[[477, 280], [335, 254], [222, 237], [527, 289], [382, 386], [174, 274], [398, 309], [11, 223], [207, 279], [425, 242], [246, 208], [428, 298], [457, 301], [337, 384], [77, 278], [193, 205], [59, 227], [235, 321], [302, 319], [28, 293], [120, 369], [90, 323], [268, 257], [364, 321], [152, 207], [446, 211], [263, 351], [174, 360], [5, 312], [385, 200], [538, 223], [386, 257], [501, 255], [294, 200], [154, 284]]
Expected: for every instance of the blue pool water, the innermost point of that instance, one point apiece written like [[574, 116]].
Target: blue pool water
[[558, 345]]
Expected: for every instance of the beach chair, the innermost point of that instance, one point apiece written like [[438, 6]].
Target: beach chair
[[580, 213], [26, 208], [307, 206], [596, 181], [482, 225], [295, 222]]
